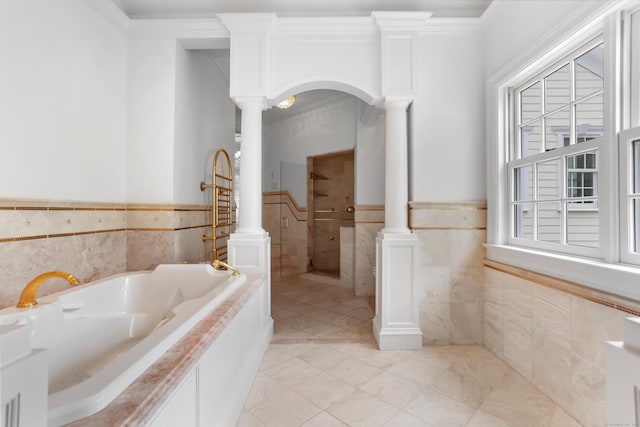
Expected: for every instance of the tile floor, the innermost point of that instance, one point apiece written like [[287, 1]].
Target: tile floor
[[323, 369]]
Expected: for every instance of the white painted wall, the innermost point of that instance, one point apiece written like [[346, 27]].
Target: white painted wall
[[63, 85], [511, 27], [370, 156], [150, 120], [447, 150], [204, 122]]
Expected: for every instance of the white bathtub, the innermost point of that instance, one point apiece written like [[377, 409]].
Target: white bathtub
[[101, 336]]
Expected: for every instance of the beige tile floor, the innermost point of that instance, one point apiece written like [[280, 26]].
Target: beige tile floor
[[323, 369]]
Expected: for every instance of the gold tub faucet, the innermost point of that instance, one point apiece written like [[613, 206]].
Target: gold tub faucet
[[28, 296], [218, 265]]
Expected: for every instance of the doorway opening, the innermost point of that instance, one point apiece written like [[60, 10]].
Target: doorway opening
[[330, 207]]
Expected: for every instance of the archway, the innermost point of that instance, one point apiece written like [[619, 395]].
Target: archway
[[271, 58]]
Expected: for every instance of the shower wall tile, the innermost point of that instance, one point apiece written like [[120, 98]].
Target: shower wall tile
[[451, 280], [552, 337]]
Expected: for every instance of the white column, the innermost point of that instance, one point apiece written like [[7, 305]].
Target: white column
[[396, 323], [396, 176], [249, 248], [250, 220]]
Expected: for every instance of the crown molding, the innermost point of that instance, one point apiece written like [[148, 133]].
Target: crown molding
[[402, 22], [452, 25], [200, 28], [248, 22], [112, 13], [325, 26]]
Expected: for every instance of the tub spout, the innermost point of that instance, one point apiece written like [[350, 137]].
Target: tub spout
[[218, 265], [28, 296]]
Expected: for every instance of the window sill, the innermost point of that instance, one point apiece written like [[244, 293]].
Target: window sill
[[617, 279]]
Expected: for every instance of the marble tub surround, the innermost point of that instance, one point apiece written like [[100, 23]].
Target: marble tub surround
[[452, 271], [93, 240], [318, 372], [553, 333], [140, 402], [369, 221]]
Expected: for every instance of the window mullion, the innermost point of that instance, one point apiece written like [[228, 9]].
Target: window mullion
[[563, 201]]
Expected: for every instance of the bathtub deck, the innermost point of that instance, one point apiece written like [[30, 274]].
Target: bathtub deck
[[323, 369]]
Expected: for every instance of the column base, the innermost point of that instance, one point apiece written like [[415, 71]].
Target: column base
[[250, 252], [394, 339], [396, 324]]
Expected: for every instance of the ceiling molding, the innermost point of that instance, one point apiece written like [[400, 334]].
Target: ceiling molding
[[322, 25], [204, 28], [452, 25], [113, 13]]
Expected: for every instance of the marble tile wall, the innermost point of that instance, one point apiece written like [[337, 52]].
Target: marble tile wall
[[92, 240], [369, 220], [158, 234], [553, 336], [347, 254], [289, 243], [451, 272]]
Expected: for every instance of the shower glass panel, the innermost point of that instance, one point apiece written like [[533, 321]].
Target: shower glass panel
[[293, 219]]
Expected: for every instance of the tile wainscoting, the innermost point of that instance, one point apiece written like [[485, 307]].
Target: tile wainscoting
[[369, 220], [553, 333], [451, 276], [93, 240]]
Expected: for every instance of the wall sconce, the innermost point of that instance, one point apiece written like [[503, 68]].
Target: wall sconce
[[287, 103]]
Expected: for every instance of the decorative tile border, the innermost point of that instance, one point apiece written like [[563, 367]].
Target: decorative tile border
[[284, 197], [445, 217], [369, 214], [44, 219], [602, 298]]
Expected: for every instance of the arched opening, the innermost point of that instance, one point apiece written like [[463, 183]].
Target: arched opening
[[323, 124]]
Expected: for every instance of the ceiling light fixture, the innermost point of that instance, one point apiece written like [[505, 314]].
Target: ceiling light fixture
[[287, 103]]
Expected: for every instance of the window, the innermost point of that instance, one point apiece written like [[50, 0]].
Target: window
[[558, 132], [630, 194]]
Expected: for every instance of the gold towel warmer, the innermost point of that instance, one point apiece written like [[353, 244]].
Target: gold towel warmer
[[222, 211]]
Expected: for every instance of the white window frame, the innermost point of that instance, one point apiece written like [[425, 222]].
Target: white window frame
[[607, 271], [585, 205], [630, 242], [518, 159], [563, 200]]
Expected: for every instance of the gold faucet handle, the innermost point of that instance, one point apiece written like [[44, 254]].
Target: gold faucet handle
[[219, 265]]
